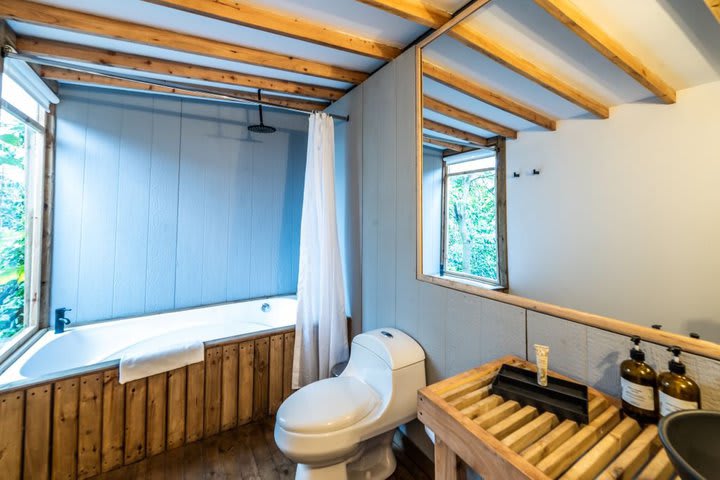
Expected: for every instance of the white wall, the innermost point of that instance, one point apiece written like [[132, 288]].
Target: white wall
[[624, 219]]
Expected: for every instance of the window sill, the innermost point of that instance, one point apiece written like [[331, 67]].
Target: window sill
[[470, 282], [15, 344]]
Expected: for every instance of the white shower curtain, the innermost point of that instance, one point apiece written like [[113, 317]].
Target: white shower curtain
[[321, 329]]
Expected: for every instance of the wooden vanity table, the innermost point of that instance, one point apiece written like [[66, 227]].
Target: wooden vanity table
[[504, 440]]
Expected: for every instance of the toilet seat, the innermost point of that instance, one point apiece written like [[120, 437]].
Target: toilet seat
[[327, 406]]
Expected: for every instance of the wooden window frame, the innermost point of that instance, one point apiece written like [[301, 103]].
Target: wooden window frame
[[500, 223], [36, 230]]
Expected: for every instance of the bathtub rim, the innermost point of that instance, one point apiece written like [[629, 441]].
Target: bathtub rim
[[102, 366], [75, 324]]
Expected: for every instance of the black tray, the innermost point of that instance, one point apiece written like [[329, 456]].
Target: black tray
[[567, 400]]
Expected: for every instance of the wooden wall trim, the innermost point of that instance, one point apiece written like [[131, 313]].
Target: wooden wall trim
[[80, 426], [609, 324]]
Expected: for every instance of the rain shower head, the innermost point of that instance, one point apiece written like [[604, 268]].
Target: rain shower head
[[261, 128]]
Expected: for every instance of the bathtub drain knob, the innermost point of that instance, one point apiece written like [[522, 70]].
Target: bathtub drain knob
[[265, 307]]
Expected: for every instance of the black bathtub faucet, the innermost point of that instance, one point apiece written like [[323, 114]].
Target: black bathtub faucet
[[60, 320]]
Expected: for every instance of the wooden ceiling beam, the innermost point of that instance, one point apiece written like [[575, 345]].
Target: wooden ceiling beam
[[714, 6], [454, 132], [417, 11], [245, 14], [447, 145], [71, 76], [420, 12], [528, 69], [570, 16], [470, 118], [96, 56], [48, 15], [484, 94]]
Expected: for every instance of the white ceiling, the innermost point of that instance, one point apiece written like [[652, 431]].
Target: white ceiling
[[677, 39]]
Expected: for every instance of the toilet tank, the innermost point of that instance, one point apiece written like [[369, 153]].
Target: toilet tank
[[393, 364], [395, 348]]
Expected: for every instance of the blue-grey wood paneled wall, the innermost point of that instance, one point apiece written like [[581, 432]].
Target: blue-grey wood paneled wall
[[348, 193], [456, 330], [164, 203]]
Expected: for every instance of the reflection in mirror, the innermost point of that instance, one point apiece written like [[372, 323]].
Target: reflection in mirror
[[531, 187]]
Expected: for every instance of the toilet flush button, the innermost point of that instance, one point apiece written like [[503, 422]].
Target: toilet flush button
[[387, 334]]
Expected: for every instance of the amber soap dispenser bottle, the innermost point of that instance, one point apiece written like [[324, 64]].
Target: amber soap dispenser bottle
[[638, 384], [676, 390]]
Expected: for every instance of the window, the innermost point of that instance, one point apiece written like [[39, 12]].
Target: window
[[473, 243], [22, 158]]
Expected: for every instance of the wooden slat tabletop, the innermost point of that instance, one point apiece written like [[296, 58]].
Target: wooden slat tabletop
[[502, 439]]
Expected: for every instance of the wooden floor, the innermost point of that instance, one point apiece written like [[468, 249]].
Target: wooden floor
[[248, 452]]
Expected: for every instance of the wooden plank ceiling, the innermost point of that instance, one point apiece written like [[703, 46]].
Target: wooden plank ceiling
[[308, 54]]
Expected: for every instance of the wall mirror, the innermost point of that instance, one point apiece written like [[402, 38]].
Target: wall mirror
[[552, 179]]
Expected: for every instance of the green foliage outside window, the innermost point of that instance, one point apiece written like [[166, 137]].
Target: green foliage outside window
[[12, 227], [471, 224]]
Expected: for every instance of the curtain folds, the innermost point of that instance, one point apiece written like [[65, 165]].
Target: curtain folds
[[321, 328]]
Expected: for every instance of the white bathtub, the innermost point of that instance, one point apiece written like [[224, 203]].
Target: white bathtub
[[102, 342]]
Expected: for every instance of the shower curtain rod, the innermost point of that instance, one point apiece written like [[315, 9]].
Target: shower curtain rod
[[10, 52]]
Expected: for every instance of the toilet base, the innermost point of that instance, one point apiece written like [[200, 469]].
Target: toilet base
[[375, 461]]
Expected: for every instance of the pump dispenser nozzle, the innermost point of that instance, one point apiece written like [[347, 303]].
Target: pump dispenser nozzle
[[635, 352], [675, 365]]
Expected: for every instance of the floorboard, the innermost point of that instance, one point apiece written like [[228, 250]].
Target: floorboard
[[247, 453]]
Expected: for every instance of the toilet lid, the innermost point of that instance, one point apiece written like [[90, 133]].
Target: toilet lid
[[327, 405]]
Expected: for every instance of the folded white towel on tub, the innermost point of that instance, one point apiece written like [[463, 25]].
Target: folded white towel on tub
[[153, 359]]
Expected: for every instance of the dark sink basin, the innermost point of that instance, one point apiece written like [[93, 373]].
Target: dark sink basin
[[692, 440]]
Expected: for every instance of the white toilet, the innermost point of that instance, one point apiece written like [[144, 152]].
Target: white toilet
[[342, 428]]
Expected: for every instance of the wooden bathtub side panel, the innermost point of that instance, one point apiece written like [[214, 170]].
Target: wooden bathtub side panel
[[262, 377], [288, 355], [195, 402], [135, 420], [176, 406], [12, 406], [79, 427], [38, 419], [90, 425], [275, 382], [213, 390], [65, 429], [157, 394], [246, 379], [229, 398], [113, 421]]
